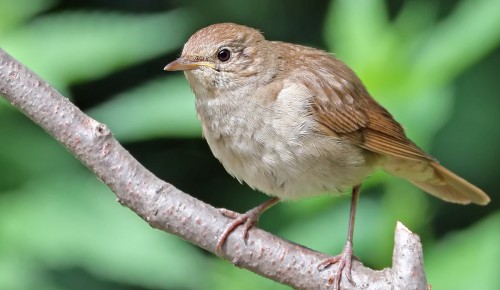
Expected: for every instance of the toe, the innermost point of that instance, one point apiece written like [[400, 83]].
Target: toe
[[228, 213]]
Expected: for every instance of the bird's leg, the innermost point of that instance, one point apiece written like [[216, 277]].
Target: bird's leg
[[344, 259], [247, 219]]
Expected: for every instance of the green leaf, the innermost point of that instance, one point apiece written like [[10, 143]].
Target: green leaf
[[158, 109], [13, 13], [354, 28], [74, 47], [382, 54], [468, 259], [326, 230], [26, 151], [457, 42], [19, 272], [70, 220], [227, 277]]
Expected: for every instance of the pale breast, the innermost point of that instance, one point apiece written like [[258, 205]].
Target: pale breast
[[274, 148]]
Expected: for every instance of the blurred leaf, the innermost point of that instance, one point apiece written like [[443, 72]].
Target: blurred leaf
[[158, 109], [398, 195], [71, 220], [468, 259], [457, 42], [13, 13], [21, 273], [383, 54], [73, 47], [354, 28], [326, 231], [228, 277], [415, 18], [26, 151], [421, 114]]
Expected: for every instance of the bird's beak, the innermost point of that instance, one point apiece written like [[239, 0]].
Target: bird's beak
[[184, 63]]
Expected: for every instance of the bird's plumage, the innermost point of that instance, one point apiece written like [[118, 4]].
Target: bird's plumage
[[295, 121]]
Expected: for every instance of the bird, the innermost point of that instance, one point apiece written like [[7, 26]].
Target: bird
[[293, 121]]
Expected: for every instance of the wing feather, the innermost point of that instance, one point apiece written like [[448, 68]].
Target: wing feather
[[343, 107]]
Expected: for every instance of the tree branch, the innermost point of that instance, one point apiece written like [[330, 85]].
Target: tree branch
[[166, 208]]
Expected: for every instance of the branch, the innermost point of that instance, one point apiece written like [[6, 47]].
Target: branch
[[167, 208]]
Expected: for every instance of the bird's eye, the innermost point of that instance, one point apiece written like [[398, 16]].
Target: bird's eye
[[224, 54]]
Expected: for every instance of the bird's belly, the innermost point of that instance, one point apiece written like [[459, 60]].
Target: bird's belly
[[289, 164], [274, 147]]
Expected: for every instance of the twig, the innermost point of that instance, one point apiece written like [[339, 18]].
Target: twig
[[166, 208]]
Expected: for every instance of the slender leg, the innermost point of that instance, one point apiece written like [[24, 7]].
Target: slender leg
[[248, 219], [344, 259]]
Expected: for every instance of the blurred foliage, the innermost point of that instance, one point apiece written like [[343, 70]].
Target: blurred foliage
[[434, 64]]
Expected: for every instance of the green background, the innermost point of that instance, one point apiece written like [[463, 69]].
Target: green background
[[434, 64]]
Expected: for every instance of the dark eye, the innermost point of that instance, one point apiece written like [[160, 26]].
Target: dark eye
[[224, 54]]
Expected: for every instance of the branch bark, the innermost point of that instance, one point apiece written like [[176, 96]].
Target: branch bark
[[167, 208]]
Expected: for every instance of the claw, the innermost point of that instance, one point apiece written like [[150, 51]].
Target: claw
[[248, 219], [344, 262], [228, 213]]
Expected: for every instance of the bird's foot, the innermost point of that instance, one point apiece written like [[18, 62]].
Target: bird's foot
[[343, 261], [248, 220]]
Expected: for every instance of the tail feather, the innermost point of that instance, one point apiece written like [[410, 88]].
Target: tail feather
[[437, 180]]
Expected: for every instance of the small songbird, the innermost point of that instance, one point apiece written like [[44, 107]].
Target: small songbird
[[294, 121]]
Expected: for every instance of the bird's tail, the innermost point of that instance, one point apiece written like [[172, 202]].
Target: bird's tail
[[436, 180]]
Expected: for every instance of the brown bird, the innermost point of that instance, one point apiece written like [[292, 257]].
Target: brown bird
[[294, 121]]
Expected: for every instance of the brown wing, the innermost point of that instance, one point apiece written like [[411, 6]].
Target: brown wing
[[344, 108]]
